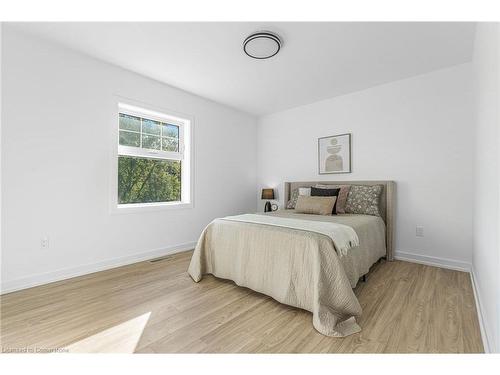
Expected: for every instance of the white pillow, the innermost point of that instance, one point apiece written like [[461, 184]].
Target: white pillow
[[305, 192]]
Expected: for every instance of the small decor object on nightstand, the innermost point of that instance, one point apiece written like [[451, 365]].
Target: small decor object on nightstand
[[267, 194]]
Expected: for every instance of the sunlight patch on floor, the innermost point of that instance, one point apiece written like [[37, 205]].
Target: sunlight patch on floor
[[122, 338]]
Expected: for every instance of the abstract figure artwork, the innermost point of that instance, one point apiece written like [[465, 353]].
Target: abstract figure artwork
[[334, 154]]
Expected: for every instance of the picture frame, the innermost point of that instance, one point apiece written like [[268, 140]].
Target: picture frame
[[334, 154]]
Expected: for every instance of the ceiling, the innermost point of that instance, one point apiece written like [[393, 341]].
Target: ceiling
[[317, 61]]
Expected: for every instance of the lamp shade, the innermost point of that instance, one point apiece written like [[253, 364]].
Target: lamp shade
[[267, 194]]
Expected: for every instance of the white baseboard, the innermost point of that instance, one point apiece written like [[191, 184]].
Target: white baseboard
[[67, 273], [479, 307], [433, 261]]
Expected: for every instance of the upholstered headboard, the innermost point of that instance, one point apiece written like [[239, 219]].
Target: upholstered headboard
[[386, 205]]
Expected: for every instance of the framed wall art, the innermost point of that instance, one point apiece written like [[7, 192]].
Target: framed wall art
[[334, 154]]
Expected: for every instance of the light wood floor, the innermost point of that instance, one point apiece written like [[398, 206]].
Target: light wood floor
[[155, 307]]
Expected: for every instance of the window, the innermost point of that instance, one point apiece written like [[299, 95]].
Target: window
[[153, 159]]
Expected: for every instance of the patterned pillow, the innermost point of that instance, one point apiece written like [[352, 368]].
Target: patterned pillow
[[363, 200], [293, 199], [342, 197]]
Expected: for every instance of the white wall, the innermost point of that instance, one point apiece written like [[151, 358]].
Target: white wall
[[485, 257], [57, 106], [417, 132]]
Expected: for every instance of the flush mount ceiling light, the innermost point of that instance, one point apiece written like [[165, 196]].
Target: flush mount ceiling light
[[262, 45]]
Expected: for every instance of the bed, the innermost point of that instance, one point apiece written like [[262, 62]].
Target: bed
[[312, 262]]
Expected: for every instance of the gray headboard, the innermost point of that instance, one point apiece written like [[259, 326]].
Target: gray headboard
[[386, 205]]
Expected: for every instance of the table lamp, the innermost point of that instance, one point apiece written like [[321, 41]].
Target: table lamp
[[267, 194]]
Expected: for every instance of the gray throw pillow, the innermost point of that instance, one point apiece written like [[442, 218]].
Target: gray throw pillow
[[364, 200]]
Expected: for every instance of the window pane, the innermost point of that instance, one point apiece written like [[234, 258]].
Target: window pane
[[130, 139], [151, 127], [170, 131], [170, 144], [130, 123], [150, 141], [148, 180]]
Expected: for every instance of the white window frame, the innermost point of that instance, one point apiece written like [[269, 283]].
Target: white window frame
[[185, 124]]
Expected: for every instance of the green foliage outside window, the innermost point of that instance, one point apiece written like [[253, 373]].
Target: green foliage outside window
[[143, 180]]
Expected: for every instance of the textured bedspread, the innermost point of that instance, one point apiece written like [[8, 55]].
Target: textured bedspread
[[296, 267], [343, 236]]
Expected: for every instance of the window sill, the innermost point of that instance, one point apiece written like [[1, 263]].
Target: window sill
[[149, 207]]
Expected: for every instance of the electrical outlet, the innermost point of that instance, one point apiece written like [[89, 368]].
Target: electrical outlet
[[44, 242], [419, 231]]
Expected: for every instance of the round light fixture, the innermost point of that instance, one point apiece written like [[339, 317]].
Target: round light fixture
[[262, 45]]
